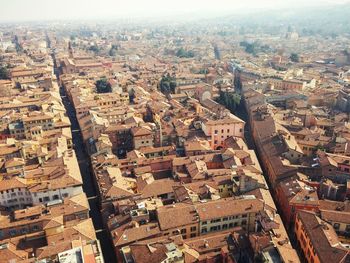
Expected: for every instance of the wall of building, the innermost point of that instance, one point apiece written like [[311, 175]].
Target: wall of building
[[16, 197], [246, 221], [51, 195], [304, 242]]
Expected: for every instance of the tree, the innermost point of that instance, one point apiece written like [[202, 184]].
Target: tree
[[94, 49], [113, 51], [217, 52], [172, 86], [237, 83], [131, 96], [167, 84], [229, 99], [250, 48], [182, 53], [4, 74], [103, 86], [294, 57], [19, 47]]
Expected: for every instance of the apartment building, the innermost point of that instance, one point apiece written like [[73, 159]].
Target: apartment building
[[218, 130], [318, 240]]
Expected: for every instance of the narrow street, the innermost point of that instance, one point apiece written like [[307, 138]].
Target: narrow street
[[242, 113], [248, 137], [88, 183]]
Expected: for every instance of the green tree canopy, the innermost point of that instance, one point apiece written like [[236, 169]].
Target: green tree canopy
[[250, 48], [103, 86], [294, 57], [230, 100], [182, 53], [113, 51], [94, 49], [167, 84], [4, 73]]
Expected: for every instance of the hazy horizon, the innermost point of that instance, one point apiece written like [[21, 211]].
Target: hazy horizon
[[38, 10]]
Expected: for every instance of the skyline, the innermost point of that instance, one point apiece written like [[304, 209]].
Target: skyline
[[186, 131], [38, 10]]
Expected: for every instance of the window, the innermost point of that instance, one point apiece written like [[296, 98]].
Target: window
[[12, 232], [46, 198], [204, 230], [193, 228], [204, 222], [216, 132], [244, 222], [240, 130], [55, 197], [347, 229], [224, 226], [228, 130], [225, 219], [336, 226], [183, 231], [222, 131], [193, 235], [213, 228]]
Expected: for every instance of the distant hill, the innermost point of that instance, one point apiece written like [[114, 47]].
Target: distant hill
[[325, 20]]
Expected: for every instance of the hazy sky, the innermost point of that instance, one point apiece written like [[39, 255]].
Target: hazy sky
[[12, 10]]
